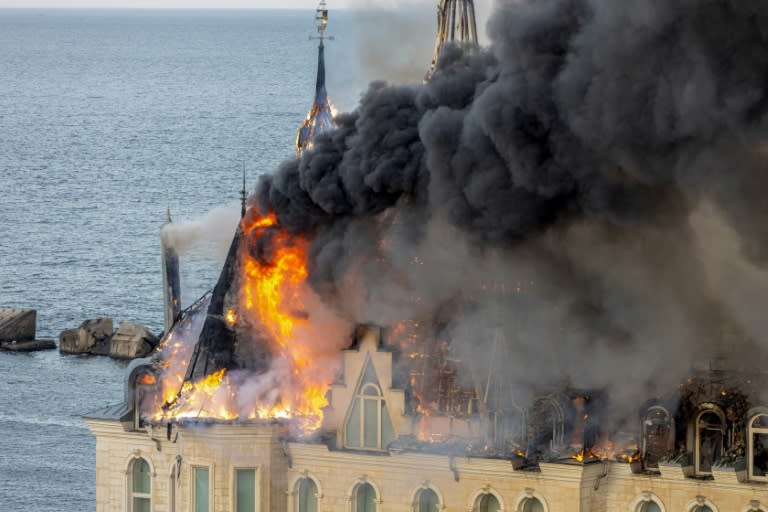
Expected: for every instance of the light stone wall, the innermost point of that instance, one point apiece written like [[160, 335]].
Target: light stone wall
[[397, 477]]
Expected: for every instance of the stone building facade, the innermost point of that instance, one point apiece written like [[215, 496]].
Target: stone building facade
[[357, 464]]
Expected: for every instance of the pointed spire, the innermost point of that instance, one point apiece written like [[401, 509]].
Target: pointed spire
[[320, 116], [321, 95], [455, 24]]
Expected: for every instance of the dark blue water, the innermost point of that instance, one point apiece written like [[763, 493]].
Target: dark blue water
[[105, 118]]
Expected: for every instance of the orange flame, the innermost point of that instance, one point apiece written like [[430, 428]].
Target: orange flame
[[271, 299]]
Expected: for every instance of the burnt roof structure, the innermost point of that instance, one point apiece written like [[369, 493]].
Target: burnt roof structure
[[222, 343], [455, 25]]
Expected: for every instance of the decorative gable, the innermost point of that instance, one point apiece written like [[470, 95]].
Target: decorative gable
[[365, 411]]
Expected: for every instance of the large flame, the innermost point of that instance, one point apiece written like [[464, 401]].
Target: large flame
[[272, 303]]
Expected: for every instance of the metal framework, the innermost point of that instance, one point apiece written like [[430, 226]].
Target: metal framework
[[455, 24]]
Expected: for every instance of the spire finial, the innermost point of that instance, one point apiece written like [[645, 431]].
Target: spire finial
[[168, 219], [243, 194], [322, 19]]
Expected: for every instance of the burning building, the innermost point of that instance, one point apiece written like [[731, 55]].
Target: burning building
[[493, 291]]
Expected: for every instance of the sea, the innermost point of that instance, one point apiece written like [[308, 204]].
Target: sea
[[108, 118]]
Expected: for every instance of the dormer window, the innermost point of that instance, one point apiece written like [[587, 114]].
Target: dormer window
[[368, 424], [546, 427], [757, 457], [658, 432], [710, 433]]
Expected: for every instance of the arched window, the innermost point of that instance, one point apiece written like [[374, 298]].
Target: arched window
[[531, 505], [757, 433], [710, 432], [368, 424], [140, 486], [172, 491], [306, 495], [487, 503], [649, 506], [702, 508], [658, 436], [427, 501], [546, 426], [364, 498]]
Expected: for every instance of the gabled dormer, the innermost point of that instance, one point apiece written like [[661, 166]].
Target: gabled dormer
[[365, 411]]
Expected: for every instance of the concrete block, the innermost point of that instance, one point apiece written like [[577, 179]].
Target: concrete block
[[17, 324], [132, 340], [83, 339]]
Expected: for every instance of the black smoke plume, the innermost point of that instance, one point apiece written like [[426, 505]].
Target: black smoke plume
[[590, 185]]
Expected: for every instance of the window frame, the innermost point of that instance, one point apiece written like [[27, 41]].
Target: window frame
[[360, 399], [670, 423], [751, 431], [173, 487], [701, 501], [256, 486], [524, 501], [193, 485], [645, 497], [130, 493], [293, 501], [477, 497], [706, 409], [297, 489], [356, 488], [416, 505]]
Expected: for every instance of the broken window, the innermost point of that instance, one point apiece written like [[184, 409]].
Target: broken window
[[546, 429], [758, 447], [306, 499], [658, 434], [427, 501], [364, 499], [531, 505], [141, 486], [369, 424], [710, 431]]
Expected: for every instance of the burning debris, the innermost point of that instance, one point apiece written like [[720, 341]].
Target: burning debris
[[245, 352]]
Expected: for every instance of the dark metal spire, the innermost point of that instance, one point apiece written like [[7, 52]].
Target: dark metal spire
[[171, 275], [320, 116], [321, 94]]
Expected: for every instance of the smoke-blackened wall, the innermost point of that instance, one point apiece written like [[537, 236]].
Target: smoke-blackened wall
[[562, 186]]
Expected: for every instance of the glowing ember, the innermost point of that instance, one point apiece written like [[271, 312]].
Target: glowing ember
[[146, 379], [230, 317]]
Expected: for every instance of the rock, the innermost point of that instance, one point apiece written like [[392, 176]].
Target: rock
[[17, 324], [131, 341], [90, 334], [28, 346]]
